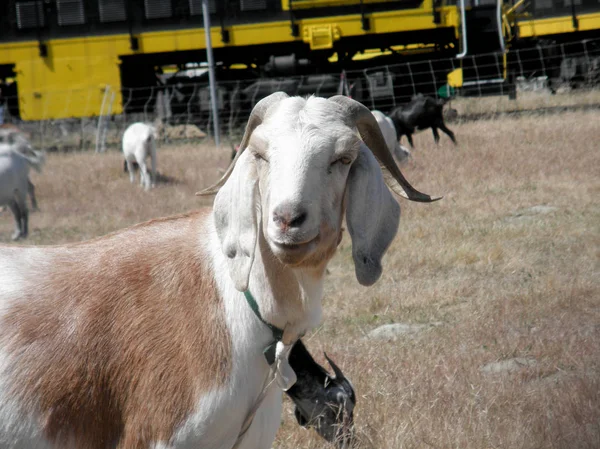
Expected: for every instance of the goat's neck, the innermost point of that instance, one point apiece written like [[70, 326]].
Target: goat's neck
[[289, 298]]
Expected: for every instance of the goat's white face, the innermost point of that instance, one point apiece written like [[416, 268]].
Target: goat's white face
[[301, 164]]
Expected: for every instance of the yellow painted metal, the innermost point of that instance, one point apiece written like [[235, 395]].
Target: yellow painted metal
[[455, 78], [321, 37], [306, 4], [71, 81], [558, 25]]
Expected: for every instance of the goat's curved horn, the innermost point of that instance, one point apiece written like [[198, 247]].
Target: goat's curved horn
[[256, 117], [337, 371], [368, 128]]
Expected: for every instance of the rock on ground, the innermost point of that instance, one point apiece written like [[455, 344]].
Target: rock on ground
[[508, 365]]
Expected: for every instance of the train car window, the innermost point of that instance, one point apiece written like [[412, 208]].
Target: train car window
[[27, 17], [70, 12], [158, 9], [253, 5], [112, 10], [568, 3], [196, 7], [543, 4]]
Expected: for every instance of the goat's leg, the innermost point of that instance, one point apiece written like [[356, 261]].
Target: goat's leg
[[443, 127], [24, 220], [153, 161], [21, 200], [130, 170], [410, 141], [436, 135], [31, 192], [144, 175], [14, 207]]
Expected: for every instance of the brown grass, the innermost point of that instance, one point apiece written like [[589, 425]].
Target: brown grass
[[497, 279], [525, 101]]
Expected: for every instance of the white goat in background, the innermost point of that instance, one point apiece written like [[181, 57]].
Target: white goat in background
[[139, 143], [391, 138], [155, 336]]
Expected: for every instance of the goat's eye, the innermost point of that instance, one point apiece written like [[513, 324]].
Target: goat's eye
[[259, 157], [343, 160]]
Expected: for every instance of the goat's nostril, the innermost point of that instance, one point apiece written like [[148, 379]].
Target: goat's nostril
[[298, 220], [289, 217]]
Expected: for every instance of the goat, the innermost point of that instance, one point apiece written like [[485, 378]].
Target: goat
[[15, 184], [420, 113], [17, 140], [176, 333], [321, 401], [139, 143], [391, 138]]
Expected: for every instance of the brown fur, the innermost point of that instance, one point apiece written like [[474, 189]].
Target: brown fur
[[119, 337]]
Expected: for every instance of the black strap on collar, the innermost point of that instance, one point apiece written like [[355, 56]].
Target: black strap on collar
[[269, 351]]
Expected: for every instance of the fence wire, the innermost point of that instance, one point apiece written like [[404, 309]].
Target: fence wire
[[540, 77]]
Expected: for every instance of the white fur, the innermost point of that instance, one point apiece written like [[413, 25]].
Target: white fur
[[391, 137], [313, 161], [139, 143], [17, 429]]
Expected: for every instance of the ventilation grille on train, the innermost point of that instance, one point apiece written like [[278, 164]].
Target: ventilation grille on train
[[70, 12], [196, 7], [158, 9], [112, 10], [253, 5], [26, 15]]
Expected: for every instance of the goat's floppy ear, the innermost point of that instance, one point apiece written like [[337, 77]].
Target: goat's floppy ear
[[372, 216], [236, 220]]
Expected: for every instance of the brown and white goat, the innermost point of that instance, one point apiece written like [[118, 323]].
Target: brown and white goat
[[143, 338]]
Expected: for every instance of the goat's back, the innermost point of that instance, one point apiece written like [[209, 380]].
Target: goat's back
[[138, 140], [420, 113], [109, 341]]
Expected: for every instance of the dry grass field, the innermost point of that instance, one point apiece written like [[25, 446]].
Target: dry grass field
[[530, 101], [506, 268]]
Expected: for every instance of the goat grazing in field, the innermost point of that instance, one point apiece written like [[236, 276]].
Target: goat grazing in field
[[139, 143], [420, 113], [176, 333], [17, 140], [15, 160], [391, 138]]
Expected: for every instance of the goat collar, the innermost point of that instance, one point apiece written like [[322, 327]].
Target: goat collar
[[277, 354], [270, 350], [277, 333]]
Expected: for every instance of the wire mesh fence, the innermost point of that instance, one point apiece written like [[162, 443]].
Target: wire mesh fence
[[544, 77]]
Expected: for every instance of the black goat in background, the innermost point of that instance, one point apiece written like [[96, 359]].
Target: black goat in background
[[420, 113]]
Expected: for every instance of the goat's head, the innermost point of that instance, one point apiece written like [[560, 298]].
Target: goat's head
[[327, 407], [301, 165]]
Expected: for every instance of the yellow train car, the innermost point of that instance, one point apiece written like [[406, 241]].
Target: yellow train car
[[69, 56], [81, 58]]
